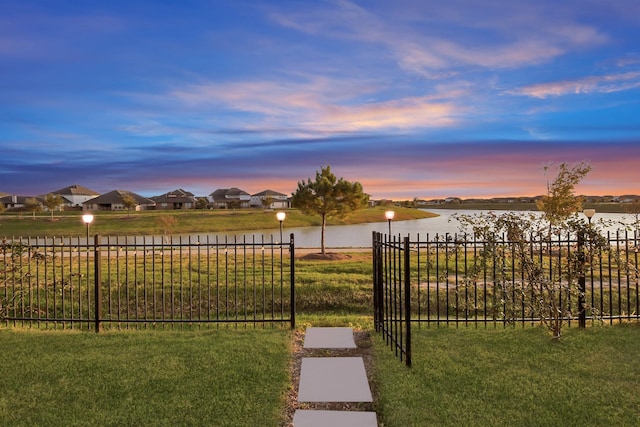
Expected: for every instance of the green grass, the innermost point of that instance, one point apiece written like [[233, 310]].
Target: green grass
[[221, 378], [513, 377], [338, 287], [188, 222], [357, 322]]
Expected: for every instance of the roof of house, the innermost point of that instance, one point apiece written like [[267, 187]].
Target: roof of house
[[268, 193], [221, 193], [9, 198], [76, 190], [116, 196], [175, 196]]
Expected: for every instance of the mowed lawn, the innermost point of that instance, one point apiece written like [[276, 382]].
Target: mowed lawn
[[513, 377], [165, 378]]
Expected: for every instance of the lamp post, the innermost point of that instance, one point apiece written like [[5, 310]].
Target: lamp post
[[389, 215], [589, 213], [87, 219], [281, 216]]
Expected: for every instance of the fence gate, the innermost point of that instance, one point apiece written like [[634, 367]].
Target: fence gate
[[391, 293]]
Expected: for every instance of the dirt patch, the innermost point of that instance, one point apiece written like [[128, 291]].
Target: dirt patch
[[329, 256], [365, 350]]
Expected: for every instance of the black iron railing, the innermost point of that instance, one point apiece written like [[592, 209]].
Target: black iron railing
[[448, 280], [149, 282], [391, 293]]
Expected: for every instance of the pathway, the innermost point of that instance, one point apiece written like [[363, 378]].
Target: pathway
[[333, 379]]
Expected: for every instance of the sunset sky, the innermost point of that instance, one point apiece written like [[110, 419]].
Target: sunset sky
[[412, 98]]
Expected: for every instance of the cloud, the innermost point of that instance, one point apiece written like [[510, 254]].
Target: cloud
[[593, 84], [320, 104], [436, 39]]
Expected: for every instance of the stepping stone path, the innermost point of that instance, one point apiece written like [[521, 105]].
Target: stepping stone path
[[333, 379]]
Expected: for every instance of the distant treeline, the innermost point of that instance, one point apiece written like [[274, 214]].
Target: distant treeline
[[609, 207]]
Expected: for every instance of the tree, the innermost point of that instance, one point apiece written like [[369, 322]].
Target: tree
[[52, 202], [33, 205], [234, 204], [547, 285], [633, 209], [167, 224], [129, 202], [202, 203], [328, 197], [560, 202], [266, 202]]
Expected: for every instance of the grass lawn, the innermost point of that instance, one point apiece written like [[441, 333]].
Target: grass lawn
[[513, 377], [221, 377], [69, 224], [335, 287], [229, 377]]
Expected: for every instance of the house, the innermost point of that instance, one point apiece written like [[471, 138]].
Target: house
[[11, 201], [75, 195], [270, 199], [230, 198], [175, 200], [115, 201]]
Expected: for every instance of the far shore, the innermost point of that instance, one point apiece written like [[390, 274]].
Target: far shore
[[609, 207]]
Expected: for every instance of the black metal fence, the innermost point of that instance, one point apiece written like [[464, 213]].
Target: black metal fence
[[446, 280], [146, 282], [392, 293]]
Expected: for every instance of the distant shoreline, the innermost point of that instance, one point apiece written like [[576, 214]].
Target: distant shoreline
[[609, 207]]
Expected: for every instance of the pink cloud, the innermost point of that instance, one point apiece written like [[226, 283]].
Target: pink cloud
[[321, 104], [605, 84]]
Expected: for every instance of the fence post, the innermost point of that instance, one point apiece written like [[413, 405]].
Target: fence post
[[582, 315], [407, 298], [97, 278], [292, 251], [377, 318]]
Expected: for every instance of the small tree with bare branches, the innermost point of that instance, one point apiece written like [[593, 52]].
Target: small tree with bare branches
[[549, 285]]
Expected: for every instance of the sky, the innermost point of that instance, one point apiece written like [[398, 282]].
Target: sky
[[411, 98]]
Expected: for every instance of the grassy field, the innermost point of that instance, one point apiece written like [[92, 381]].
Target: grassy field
[[335, 288], [513, 377], [210, 378], [187, 222]]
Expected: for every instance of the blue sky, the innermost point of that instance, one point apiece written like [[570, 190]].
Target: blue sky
[[412, 98]]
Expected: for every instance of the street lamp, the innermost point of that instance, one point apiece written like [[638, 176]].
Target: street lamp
[[589, 213], [87, 219], [389, 215], [281, 216]]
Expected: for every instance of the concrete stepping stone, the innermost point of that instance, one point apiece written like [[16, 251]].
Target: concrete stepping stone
[[311, 418], [333, 379], [329, 338]]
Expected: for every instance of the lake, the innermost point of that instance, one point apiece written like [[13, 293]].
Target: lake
[[360, 235]]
